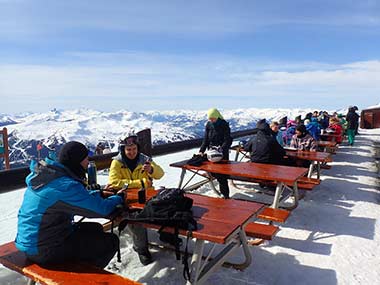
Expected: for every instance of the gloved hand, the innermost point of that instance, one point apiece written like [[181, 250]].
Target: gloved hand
[[93, 187]]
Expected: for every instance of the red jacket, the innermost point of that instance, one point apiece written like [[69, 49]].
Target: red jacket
[[338, 130]]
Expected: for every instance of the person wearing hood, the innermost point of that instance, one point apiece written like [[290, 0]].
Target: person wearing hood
[[313, 128], [264, 147], [302, 140], [56, 191], [218, 134], [352, 119], [133, 169]]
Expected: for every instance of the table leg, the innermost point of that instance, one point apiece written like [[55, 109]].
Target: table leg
[[196, 261], [277, 195], [296, 195], [311, 168], [183, 172], [318, 170], [237, 155]]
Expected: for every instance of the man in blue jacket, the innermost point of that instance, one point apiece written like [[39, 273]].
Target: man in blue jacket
[[56, 192]]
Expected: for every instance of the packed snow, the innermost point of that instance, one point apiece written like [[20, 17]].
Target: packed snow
[[332, 237]]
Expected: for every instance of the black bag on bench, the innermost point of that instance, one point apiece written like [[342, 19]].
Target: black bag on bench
[[169, 208]]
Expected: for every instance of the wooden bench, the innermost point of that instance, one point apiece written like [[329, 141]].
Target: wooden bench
[[265, 231], [307, 183], [274, 215], [261, 231], [69, 274]]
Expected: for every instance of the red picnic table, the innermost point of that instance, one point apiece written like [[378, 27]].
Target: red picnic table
[[281, 175], [330, 136], [219, 221], [315, 158]]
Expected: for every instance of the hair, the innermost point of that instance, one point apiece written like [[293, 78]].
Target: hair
[[301, 128], [274, 123]]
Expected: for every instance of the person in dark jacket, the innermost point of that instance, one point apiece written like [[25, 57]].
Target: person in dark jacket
[[56, 192], [263, 147], [218, 134], [352, 119]]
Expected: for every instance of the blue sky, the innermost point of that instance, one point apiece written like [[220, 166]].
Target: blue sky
[[165, 55]]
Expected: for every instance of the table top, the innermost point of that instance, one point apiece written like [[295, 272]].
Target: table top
[[310, 155], [271, 172], [217, 218], [302, 154], [330, 135], [326, 143]]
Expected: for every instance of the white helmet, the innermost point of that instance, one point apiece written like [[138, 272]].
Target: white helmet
[[214, 154]]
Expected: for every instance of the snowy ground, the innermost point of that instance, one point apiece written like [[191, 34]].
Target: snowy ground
[[331, 238]]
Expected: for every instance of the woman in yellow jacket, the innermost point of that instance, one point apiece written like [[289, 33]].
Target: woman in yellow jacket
[[132, 167]]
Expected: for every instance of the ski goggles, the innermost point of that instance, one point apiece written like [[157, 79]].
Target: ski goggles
[[129, 141]]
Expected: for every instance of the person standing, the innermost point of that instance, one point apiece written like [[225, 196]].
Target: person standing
[[352, 119], [56, 191], [218, 134]]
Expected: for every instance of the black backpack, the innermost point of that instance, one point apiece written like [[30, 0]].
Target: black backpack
[[170, 207]]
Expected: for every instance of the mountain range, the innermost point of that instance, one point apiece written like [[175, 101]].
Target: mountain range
[[54, 128]]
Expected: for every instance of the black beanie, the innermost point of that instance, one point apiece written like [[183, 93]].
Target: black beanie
[[71, 155], [302, 129]]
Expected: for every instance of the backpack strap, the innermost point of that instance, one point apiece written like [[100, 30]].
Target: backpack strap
[[186, 270]]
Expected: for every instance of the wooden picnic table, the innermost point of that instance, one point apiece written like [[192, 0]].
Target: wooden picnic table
[[315, 158], [280, 174], [328, 146], [220, 222], [331, 136], [325, 144]]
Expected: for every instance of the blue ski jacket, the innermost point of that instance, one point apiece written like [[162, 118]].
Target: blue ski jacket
[[53, 196]]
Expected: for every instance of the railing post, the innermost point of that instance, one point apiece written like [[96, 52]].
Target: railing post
[[4, 151]]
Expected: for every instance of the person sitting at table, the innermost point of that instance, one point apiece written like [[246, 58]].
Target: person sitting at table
[[276, 132], [56, 191], [218, 134], [263, 147], [302, 140], [290, 131], [313, 128], [134, 169], [336, 129]]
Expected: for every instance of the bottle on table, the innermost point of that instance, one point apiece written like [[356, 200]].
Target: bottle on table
[[91, 173]]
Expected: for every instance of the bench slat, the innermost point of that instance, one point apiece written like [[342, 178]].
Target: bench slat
[[275, 215], [66, 274], [309, 180], [261, 231]]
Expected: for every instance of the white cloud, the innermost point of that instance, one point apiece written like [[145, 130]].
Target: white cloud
[[193, 78]]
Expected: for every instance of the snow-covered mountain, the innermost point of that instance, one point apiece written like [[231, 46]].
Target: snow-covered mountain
[[88, 126]]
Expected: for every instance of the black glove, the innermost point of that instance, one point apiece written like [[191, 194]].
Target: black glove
[[93, 187]]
